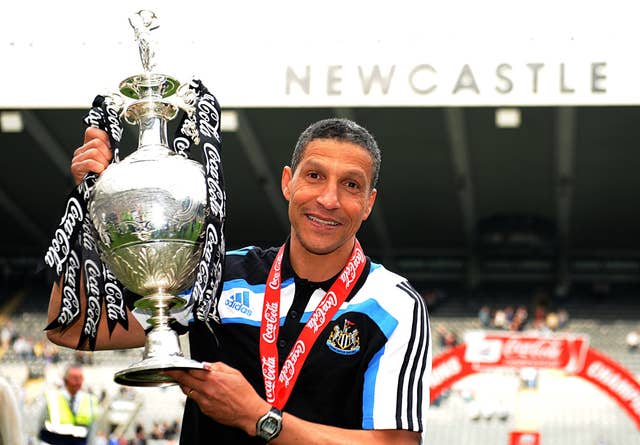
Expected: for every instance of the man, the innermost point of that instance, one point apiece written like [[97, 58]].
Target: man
[[70, 412], [316, 344]]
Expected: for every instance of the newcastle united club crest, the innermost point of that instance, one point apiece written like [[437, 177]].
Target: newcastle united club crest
[[344, 341]]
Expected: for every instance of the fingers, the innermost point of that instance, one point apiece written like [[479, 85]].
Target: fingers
[[187, 390], [189, 379], [219, 367], [96, 133], [93, 156]]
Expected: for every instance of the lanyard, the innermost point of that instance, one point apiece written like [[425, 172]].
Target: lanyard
[[278, 387]]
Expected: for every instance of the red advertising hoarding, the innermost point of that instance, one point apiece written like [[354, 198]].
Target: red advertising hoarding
[[519, 350], [524, 438], [565, 351]]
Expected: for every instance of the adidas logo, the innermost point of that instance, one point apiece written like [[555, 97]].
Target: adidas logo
[[239, 302]]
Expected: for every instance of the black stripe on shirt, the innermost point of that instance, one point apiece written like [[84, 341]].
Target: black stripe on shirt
[[420, 361], [416, 348]]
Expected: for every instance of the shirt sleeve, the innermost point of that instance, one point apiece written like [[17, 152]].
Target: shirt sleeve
[[396, 389]]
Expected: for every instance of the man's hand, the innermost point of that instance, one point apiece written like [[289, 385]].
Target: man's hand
[[223, 394], [93, 156]]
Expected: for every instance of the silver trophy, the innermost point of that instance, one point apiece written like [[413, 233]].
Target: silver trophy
[[148, 211]]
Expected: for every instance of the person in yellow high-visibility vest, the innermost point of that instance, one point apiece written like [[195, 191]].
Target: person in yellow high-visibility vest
[[70, 412]]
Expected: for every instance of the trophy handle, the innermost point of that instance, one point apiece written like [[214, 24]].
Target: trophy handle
[[116, 101], [187, 98]]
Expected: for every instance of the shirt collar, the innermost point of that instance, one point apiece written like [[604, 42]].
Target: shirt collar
[[288, 272]]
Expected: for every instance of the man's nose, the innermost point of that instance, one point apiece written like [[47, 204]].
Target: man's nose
[[328, 197]]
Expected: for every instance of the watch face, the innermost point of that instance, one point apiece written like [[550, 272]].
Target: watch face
[[270, 425]]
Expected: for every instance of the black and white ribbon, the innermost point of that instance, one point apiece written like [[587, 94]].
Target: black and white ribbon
[[73, 250], [202, 127]]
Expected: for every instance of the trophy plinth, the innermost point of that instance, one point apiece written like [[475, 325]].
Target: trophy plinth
[[162, 349], [149, 211]]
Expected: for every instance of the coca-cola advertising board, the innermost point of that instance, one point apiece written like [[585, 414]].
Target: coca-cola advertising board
[[524, 438], [509, 349], [570, 352]]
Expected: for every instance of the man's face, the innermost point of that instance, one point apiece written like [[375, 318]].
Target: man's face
[[329, 195], [73, 380]]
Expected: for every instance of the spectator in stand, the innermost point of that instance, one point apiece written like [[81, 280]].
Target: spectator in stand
[[38, 349], [484, 315], [140, 437], [563, 318], [51, 352], [552, 322], [633, 341], [101, 439], [7, 336], [539, 317], [171, 431], [446, 339], [500, 319], [83, 357], [23, 348], [509, 313], [519, 319], [450, 340], [157, 432]]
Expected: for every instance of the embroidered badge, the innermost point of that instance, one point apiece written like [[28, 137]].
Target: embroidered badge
[[345, 341]]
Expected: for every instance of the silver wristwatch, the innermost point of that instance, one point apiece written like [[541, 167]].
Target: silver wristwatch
[[269, 426]]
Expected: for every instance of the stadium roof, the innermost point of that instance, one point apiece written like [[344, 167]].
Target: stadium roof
[[444, 170]]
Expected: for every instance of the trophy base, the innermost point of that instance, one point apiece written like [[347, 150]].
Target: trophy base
[[149, 372]]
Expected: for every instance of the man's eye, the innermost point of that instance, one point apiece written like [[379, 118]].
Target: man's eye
[[313, 175], [352, 184]]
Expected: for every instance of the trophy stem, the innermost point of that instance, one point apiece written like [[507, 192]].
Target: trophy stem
[[153, 131], [162, 349]]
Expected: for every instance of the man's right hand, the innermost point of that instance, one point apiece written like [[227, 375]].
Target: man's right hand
[[93, 156]]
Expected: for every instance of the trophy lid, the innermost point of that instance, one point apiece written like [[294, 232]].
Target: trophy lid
[[148, 85]]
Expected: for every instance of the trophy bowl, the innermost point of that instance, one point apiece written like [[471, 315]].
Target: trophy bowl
[[148, 212]]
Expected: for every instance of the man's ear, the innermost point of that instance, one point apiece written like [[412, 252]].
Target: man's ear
[[285, 182], [372, 200]]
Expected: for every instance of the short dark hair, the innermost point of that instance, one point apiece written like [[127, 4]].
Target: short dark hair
[[344, 130]]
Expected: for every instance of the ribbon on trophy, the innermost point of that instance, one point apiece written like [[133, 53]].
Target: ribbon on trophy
[[202, 127], [73, 251]]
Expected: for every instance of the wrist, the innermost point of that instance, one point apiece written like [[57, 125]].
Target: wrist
[[253, 415]]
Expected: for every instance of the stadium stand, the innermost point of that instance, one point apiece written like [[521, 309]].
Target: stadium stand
[[484, 407]]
